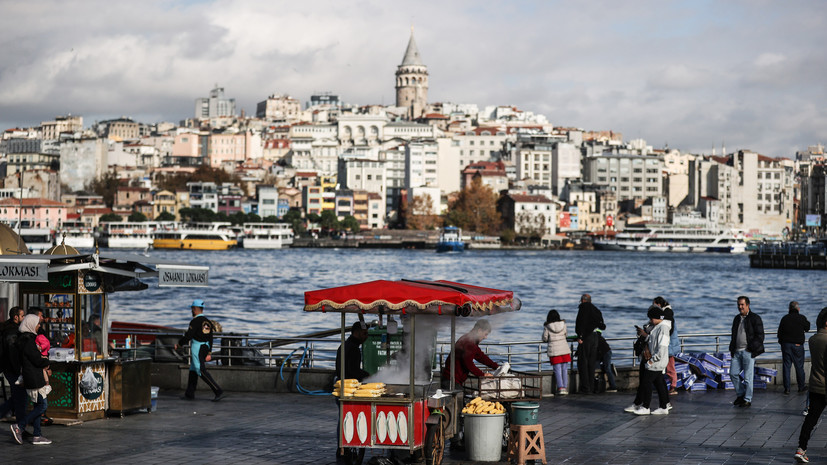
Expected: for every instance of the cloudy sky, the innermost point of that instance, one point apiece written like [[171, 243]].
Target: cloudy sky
[[693, 75]]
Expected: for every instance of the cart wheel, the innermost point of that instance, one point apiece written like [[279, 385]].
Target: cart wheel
[[434, 443], [352, 456]]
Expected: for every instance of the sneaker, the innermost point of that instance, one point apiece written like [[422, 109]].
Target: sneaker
[[219, 397], [562, 392], [642, 411], [40, 441], [18, 435], [669, 406], [786, 392], [746, 403], [740, 400], [673, 392], [801, 456], [805, 412], [611, 390], [631, 408], [660, 411]]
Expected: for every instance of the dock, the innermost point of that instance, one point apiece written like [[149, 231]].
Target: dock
[[270, 428], [790, 255]]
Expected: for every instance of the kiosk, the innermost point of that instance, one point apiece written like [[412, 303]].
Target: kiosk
[[88, 378]]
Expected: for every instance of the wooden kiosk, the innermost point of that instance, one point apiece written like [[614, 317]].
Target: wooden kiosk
[[88, 378]]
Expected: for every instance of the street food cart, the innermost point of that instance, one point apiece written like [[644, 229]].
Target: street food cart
[[412, 417], [89, 377]]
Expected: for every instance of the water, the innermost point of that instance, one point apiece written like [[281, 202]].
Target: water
[[261, 292]]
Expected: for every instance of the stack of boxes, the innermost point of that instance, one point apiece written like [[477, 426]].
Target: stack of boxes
[[702, 371]]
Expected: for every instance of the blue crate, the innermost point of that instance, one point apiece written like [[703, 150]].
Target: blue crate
[[729, 385], [766, 371], [711, 383], [689, 381], [698, 387], [712, 367], [712, 359], [759, 385]]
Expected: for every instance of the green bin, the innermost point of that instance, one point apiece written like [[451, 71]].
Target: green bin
[[375, 349], [524, 413]]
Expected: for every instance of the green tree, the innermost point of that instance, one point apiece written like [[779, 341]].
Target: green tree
[[350, 222], [106, 186], [165, 216], [110, 218], [508, 235], [329, 221], [137, 216], [201, 215], [475, 209], [294, 218]]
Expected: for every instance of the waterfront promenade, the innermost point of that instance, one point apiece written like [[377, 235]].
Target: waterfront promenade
[[253, 428]]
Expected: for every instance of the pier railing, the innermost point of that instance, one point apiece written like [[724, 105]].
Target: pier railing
[[320, 352]]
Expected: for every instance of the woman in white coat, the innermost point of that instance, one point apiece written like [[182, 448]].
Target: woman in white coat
[[559, 353]]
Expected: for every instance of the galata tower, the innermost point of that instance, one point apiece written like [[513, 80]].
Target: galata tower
[[412, 82]]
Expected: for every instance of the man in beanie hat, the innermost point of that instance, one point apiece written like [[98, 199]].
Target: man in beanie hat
[[200, 336], [746, 344]]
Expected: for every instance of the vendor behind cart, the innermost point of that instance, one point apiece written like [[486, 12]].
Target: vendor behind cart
[[353, 353], [467, 350]]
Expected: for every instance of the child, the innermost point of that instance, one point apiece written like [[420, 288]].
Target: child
[[559, 353], [604, 356], [43, 345]]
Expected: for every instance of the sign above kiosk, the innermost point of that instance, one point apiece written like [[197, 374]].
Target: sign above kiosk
[[25, 270], [178, 275]]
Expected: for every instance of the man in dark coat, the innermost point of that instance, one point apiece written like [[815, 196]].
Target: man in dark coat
[[10, 361], [353, 353], [589, 318], [791, 334], [746, 344]]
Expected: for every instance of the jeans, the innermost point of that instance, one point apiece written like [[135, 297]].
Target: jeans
[[16, 402], [561, 375], [34, 416], [793, 353], [606, 366], [587, 363], [817, 403], [742, 361]]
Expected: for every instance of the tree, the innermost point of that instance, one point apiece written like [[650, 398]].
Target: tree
[[137, 216], [420, 215], [106, 186], [165, 216], [508, 235], [294, 218], [350, 222], [329, 221], [204, 173], [475, 209], [110, 218]]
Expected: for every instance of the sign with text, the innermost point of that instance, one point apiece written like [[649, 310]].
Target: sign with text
[[183, 275], [35, 271]]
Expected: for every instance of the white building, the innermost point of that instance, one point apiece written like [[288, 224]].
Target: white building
[[216, 105], [422, 164], [630, 176], [363, 175]]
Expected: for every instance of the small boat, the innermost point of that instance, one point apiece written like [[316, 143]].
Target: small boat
[[76, 234], [195, 236], [266, 235], [127, 235], [450, 240]]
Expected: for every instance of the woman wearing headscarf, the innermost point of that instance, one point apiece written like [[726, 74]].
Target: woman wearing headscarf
[[32, 363], [559, 353]]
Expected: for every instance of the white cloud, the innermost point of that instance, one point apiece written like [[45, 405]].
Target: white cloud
[[681, 73]]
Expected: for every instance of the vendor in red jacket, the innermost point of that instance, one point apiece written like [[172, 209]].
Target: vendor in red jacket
[[467, 351]]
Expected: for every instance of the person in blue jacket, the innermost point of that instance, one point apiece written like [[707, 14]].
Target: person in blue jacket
[[200, 336]]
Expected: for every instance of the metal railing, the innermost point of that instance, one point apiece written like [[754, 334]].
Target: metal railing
[[246, 350]]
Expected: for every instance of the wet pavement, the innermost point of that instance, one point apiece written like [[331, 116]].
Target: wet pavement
[[250, 428]]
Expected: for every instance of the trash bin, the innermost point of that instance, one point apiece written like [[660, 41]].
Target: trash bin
[[524, 413], [484, 436], [153, 398]]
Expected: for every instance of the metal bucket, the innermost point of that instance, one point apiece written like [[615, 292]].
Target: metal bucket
[[484, 436], [524, 413]]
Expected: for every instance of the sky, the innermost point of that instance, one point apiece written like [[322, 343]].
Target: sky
[[689, 75]]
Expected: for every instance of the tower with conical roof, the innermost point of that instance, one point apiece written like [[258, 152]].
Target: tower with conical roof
[[412, 81]]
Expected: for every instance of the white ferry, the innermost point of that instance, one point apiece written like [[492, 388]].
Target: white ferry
[[266, 235], [127, 235], [77, 234], [38, 240], [195, 236], [672, 238]]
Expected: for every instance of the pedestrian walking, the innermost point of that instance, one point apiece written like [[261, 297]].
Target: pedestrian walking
[[818, 385], [746, 344], [200, 336]]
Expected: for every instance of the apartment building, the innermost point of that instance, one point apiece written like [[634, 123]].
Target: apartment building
[[37, 212], [631, 176]]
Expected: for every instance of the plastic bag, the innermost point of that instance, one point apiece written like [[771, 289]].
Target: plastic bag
[[88, 381]]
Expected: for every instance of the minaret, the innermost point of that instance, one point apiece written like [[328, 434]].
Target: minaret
[[412, 81]]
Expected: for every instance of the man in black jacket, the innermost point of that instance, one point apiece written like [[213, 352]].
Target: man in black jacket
[[747, 343], [353, 354], [589, 318], [10, 361], [791, 333]]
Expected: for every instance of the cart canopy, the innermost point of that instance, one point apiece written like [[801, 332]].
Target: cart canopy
[[407, 296]]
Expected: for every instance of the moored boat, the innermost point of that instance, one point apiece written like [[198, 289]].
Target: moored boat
[[76, 234], [127, 235], [266, 235], [673, 238], [195, 236], [450, 240]]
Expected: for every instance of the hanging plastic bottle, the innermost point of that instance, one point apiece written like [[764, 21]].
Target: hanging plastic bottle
[[128, 342]]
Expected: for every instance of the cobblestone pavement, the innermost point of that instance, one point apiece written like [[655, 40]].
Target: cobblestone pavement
[[250, 428]]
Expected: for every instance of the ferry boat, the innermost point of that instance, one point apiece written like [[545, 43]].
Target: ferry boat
[[38, 240], [266, 235], [195, 236], [673, 238], [77, 234], [127, 235], [450, 240]]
